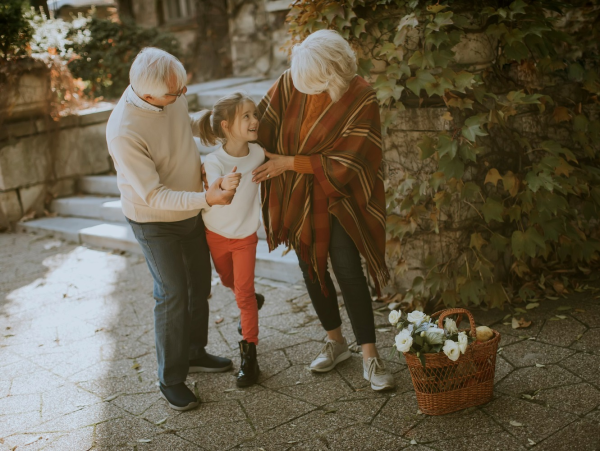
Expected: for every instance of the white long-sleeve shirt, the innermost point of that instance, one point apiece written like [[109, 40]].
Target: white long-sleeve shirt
[[241, 218], [157, 161]]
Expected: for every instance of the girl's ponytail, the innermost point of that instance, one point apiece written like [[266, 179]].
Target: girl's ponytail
[[207, 136]]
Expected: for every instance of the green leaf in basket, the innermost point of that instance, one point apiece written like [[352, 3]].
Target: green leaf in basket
[[422, 359]]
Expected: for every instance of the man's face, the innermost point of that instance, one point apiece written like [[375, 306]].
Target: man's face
[[169, 98]]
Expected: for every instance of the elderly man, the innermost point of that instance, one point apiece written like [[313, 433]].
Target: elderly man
[[159, 175]]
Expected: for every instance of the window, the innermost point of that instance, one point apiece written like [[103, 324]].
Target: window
[[178, 10]]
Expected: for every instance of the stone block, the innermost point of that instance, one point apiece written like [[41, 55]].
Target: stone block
[[62, 188], [475, 49], [81, 151], [33, 198], [10, 208], [17, 129], [25, 161], [422, 119]]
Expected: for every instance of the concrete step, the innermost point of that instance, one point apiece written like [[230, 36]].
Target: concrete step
[[102, 185], [118, 235], [105, 208], [102, 208]]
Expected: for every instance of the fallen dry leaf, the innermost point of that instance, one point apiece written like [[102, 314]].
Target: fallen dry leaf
[[219, 320], [520, 323], [516, 424]]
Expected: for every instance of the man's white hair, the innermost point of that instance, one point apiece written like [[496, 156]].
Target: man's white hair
[[323, 62], [152, 70]]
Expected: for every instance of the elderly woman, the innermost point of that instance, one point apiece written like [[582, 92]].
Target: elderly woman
[[323, 190]]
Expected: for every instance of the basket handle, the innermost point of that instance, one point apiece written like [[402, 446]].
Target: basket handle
[[456, 311]]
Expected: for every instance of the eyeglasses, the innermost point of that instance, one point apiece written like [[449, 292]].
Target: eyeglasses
[[179, 94]]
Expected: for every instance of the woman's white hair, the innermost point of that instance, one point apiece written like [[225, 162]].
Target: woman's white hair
[[324, 61], [153, 70]]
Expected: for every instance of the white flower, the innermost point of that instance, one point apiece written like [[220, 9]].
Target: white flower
[[452, 350], [394, 317], [416, 317], [463, 342], [450, 326], [434, 335], [404, 341]]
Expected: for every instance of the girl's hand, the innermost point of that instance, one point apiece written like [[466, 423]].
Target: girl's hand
[[276, 166], [231, 181]]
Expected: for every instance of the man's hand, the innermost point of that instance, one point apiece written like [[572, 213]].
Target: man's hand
[[231, 181], [217, 196]]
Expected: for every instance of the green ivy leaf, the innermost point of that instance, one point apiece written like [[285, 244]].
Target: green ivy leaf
[[517, 51], [541, 180], [418, 82], [439, 87], [427, 147], [533, 236], [499, 242], [470, 191], [416, 59], [364, 67], [463, 80], [494, 295], [437, 178], [447, 145], [468, 152], [450, 298], [492, 210], [470, 292], [452, 167], [520, 246], [472, 127], [437, 38]]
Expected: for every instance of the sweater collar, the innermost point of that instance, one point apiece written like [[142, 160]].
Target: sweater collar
[[138, 102]]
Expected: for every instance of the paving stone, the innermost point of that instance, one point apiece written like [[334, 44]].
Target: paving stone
[[220, 386], [318, 393], [561, 333], [590, 341], [591, 315], [86, 416], [581, 435], [28, 442], [530, 379], [11, 405], [219, 436], [304, 353], [370, 439], [298, 374], [579, 398], [458, 424], [530, 352], [66, 399], [20, 422], [502, 369], [270, 364], [207, 413], [594, 416], [75, 440], [129, 385], [121, 431], [399, 415], [317, 424], [361, 410], [267, 409], [537, 422], [500, 441], [136, 404], [584, 365], [168, 442], [277, 340]]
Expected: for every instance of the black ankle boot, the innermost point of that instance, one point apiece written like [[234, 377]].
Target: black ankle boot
[[249, 370], [260, 300]]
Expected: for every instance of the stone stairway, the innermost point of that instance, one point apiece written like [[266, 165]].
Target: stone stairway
[[94, 218]]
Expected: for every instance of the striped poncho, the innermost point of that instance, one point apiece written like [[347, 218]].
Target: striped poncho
[[344, 146]]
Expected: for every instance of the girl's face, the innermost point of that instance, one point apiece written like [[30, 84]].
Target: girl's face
[[245, 125]]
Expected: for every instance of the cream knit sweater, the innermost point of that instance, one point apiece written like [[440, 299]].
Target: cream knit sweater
[[157, 161]]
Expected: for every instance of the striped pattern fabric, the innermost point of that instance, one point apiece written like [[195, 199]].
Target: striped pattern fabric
[[344, 146]]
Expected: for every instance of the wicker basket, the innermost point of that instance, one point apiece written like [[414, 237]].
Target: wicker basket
[[444, 386]]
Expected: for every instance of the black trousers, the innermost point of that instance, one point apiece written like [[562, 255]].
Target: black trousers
[[345, 260]]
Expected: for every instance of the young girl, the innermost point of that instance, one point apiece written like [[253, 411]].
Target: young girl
[[231, 229]]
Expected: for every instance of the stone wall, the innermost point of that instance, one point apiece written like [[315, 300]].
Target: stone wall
[[258, 31], [41, 159]]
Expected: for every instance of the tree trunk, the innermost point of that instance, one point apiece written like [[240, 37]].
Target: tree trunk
[[125, 8], [212, 55]]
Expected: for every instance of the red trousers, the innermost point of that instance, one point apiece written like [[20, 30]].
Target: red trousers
[[235, 260]]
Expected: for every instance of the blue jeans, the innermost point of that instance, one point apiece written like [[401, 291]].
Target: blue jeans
[[345, 260], [178, 258]]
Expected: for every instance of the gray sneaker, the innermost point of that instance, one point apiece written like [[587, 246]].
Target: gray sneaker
[[375, 372], [331, 354]]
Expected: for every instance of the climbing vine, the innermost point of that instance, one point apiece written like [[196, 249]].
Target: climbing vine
[[515, 176]]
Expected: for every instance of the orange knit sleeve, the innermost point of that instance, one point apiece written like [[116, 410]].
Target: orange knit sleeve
[[303, 165]]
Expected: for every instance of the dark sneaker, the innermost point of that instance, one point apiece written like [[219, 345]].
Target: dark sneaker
[[260, 300], [179, 397], [248, 373], [210, 364]]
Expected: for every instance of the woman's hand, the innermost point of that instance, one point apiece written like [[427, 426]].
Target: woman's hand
[[276, 166]]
